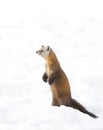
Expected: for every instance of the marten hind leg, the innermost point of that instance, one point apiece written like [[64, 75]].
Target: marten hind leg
[[64, 100], [55, 102]]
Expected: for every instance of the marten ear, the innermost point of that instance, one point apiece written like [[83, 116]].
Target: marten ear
[[48, 48]]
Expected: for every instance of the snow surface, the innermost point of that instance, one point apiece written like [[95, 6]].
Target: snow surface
[[74, 29]]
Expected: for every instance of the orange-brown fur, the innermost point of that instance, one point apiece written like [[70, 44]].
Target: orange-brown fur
[[60, 87]]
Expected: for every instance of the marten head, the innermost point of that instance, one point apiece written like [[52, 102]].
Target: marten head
[[44, 51]]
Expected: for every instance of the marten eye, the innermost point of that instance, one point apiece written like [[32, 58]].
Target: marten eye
[[41, 50]]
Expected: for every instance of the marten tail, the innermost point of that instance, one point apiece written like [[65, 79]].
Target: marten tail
[[77, 105]]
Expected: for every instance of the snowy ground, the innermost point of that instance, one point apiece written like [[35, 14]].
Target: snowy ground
[[74, 29]]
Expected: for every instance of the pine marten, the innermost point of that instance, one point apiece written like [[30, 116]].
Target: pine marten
[[57, 79]]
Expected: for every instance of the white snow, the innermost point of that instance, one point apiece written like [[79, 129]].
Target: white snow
[[74, 29]]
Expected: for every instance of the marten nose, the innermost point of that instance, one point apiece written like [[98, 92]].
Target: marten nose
[[36, 51]]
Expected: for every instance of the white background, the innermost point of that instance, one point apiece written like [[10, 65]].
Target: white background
[[74, 29]]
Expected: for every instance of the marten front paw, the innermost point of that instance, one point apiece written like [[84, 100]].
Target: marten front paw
[[45, 77], [50, 81]]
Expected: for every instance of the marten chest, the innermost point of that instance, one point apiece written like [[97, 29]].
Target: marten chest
[[48, 69]]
